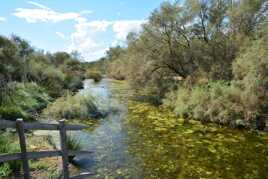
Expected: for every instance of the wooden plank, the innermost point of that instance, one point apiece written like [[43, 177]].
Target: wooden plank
[[25, 163], [64, 149], [38, 155], [9, 157], [39, 126], [82, 175]]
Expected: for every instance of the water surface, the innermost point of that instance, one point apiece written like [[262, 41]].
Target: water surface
[[138, 140]]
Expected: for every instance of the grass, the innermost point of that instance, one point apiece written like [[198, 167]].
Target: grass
[[6, 146], [73, 107], [73, 144]]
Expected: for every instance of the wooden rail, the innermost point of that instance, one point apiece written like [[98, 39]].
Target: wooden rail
[[25, 156]]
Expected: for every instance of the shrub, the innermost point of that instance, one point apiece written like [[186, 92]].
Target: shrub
[[73, 83], [216, 102], [251, 75], [73, 107], [13, 112], [24, 101], [95, 75]]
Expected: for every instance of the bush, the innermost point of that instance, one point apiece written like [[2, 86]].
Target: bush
[[73, 107], [73, 83], [24, 101], [216, 102], [251, 75], [13, 112], [95, 75]]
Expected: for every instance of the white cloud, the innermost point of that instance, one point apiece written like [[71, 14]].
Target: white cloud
[[122, 28], [42, 13], [2, 19], [37, 5], [86, 12], [92, 26], [61, 35], [88, 37]]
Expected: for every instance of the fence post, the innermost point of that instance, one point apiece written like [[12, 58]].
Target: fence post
[[64, 149], [20, 130]]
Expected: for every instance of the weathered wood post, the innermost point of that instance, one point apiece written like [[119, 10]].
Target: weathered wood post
[[64, 149], [20, 130]]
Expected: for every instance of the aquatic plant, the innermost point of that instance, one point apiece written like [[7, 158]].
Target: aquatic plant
[[79, 106], [165, 147], [74, 144]]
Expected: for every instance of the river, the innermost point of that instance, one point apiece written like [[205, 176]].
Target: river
[[138, 140]]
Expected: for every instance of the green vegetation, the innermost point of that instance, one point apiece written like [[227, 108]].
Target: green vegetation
[[73, 144], [192, 150], [7, 146], [30, 79], [73, 107], [25, 100], [95, 75], [206, 60]]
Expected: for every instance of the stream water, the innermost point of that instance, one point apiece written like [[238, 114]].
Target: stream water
[[138, 140]]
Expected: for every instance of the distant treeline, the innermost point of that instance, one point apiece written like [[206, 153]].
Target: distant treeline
[[204, 59]]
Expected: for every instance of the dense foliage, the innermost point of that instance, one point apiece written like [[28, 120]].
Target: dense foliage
[[207, 59], [30, 79]]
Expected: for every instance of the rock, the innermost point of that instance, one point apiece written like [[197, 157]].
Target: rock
[[239, 124]]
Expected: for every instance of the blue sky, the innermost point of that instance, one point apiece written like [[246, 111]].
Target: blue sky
[[88, 26]]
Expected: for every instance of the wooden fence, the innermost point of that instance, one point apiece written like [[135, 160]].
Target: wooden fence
[[25, 156]]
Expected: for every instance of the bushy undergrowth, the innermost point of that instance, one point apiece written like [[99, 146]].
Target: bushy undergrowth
[[23, 101], [216, 102], [242, 99], [95, 75], [73, 107], [6, 169]]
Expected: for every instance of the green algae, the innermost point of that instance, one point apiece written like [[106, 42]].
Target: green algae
[[167, 148]]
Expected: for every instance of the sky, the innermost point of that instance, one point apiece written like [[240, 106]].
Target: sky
[[87, 26]]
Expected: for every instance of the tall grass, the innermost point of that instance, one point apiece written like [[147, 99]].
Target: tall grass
[[6, 169], [74, 144], [73, 107]]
